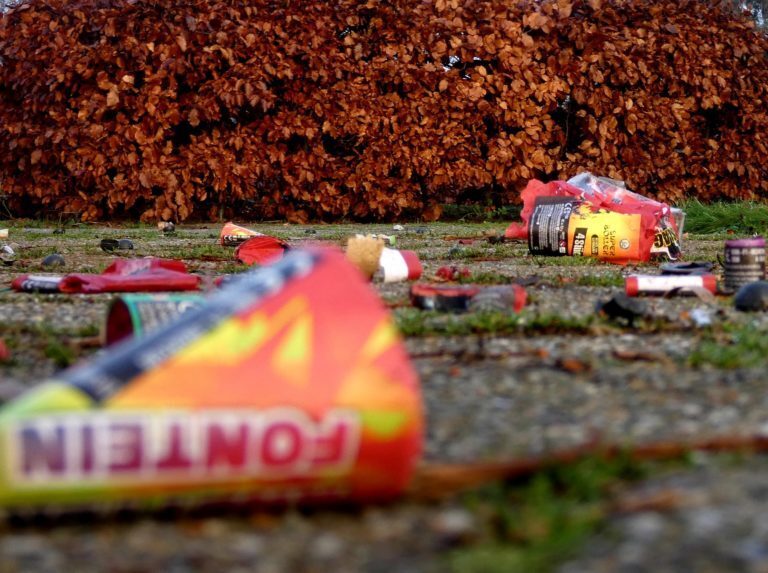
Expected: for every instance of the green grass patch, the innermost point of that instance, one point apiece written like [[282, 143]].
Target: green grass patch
[[738, 218], [733, 346], [562, 261], [415, 322], [532, 526], [480, 213], [606, 280], [486, 278]]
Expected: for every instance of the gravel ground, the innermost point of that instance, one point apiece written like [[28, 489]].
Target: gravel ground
[[487, 397]]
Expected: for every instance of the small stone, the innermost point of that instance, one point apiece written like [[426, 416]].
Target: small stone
[[454, 526], [645, 527], [54, 260], [7, 255], [701, 317], [326, 546], [752, 297], [166, 227], [398, 228], [108, 245], [623, 307], [310, 232]]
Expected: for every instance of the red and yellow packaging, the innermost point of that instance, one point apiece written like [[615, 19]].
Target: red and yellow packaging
[[291, 384], [563, 226]]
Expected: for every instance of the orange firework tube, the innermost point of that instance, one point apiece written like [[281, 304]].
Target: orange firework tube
[[289, 385]]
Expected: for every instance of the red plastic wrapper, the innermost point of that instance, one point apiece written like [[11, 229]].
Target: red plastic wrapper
[[4, 353], [594, 217], [260, 250], [123, 275], [452, 273]]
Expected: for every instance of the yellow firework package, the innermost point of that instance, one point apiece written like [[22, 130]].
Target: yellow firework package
[[563, 226]]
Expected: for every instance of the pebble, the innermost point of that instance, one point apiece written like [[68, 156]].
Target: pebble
[[454, 526], [54, 260], [7, 255], [752, 297]]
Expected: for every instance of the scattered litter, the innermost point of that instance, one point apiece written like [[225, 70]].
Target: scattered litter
[[622, 308], [38, 283], [232, 235], [692, 268], [262, 354], [123, 275], [390, 240], [744, 262], [112, 245], [573, 365], [663, 285], [5, 354], [260, 250], [452, 273], [365, 252], [54, 260], [752, 297], [530, 280], [7, 255], [166, 227], [444, 298], [462, 298], [640, 355], [396, 265], [137, 314], [704, 294], [701, 317], [3, 233], [398, 228], [595, 217], [368, 253], [466, 241], [499, 298]]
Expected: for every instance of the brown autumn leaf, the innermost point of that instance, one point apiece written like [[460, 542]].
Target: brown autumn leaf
[[113, 98]]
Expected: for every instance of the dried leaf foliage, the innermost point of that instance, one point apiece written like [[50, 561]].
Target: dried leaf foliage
[[172, 109]]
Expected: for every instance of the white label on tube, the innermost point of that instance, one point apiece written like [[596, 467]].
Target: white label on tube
[[666, 283]]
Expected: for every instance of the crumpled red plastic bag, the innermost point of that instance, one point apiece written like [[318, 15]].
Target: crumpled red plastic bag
[[124, 275], [260, 250]]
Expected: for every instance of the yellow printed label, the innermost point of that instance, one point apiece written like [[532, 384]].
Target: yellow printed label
[[603, 234]]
